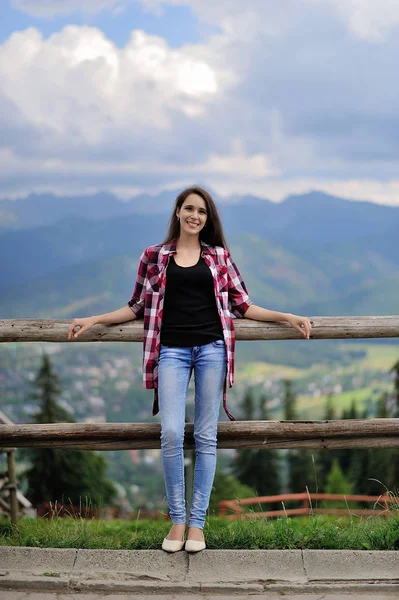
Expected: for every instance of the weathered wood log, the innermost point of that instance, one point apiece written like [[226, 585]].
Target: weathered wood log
[[357, 433], [12, 486], [271, 444], [48, 330]]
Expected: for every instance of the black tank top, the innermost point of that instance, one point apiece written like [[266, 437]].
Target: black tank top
[[190, 316]]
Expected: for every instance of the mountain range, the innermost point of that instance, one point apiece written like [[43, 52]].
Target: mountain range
[[313, 254]]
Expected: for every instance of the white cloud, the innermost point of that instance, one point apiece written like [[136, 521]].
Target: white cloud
[[370, 20], [282, 101], [236, 164], [247, 168], [55, 8], [77, 84], [380, 192]]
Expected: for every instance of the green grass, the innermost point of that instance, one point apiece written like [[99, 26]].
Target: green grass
[[314, 408], [314, 532], [378, 358]]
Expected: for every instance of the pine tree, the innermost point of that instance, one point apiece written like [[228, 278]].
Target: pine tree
[[394, 482], [76, 477], [382, 460], [248, 405], [300, 463], [329, 414], [359, 471], [258, 469], [345, 455], [369, 467], [289, 401], [227, 487], [395, 371], [324, 458], [353, 412], [241, 463], [337, 483]]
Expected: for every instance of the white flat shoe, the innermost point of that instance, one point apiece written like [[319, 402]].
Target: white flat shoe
[[172, 545], [194, 546]]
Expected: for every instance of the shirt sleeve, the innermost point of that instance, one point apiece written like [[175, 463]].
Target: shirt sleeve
[[239, 300], [136, 302]]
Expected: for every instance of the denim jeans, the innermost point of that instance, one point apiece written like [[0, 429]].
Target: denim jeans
[[174, 372]]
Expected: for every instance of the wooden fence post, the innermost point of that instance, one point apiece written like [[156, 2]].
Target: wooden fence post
[[12, 486], [305, 503]]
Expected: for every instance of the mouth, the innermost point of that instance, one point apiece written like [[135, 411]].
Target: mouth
[[192, 225]]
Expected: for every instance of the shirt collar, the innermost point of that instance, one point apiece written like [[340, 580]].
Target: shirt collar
[[171, 248]]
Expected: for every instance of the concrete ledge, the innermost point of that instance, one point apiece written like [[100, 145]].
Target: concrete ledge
[[144, 589], [33, 583], [229, 572], [231, 589], [39, 560], [132, 587], [154, 565], [350, 565], [233, 566]]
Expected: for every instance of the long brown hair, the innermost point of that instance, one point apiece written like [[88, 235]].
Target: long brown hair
[[212, 233]]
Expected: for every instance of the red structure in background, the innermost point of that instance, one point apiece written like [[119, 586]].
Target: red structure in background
[[236, 507]]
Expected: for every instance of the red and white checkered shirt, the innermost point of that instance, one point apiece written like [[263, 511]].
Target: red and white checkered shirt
[[148, 299]]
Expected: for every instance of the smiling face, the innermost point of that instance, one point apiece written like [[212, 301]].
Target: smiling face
[[192, 215]]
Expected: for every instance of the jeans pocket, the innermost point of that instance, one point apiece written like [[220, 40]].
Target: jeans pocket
[[218, 344]]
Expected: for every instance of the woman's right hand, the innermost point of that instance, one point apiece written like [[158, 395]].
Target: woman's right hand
[[81, 325]]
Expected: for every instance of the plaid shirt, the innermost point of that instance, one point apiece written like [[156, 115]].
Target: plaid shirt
[[148, 299]]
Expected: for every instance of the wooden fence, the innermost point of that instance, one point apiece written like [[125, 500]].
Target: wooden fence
[[234, 509], [347, 433], [11, 499], [370, 433], [323, 328]]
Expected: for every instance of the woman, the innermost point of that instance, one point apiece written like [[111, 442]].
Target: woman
[[186, 289]]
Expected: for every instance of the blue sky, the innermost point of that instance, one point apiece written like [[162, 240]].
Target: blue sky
[[258, 97], [177, 24]]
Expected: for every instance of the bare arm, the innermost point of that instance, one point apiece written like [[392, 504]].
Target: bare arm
[[301, 324], [117, 316]]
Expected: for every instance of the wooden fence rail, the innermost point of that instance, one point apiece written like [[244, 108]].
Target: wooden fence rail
[[347, 433], [234, 509], [49, 330]]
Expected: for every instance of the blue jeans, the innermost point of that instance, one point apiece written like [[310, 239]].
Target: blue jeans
[[174, 372]]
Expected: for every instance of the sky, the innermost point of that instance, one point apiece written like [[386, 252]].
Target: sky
[[262, 97]]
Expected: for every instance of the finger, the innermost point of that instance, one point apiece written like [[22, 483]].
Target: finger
[[305, 330], [307, 327], [71, 331], [71, 328], [299, 328], [80, 330]]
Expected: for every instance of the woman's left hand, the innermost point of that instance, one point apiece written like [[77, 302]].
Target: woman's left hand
[[302, 324]]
